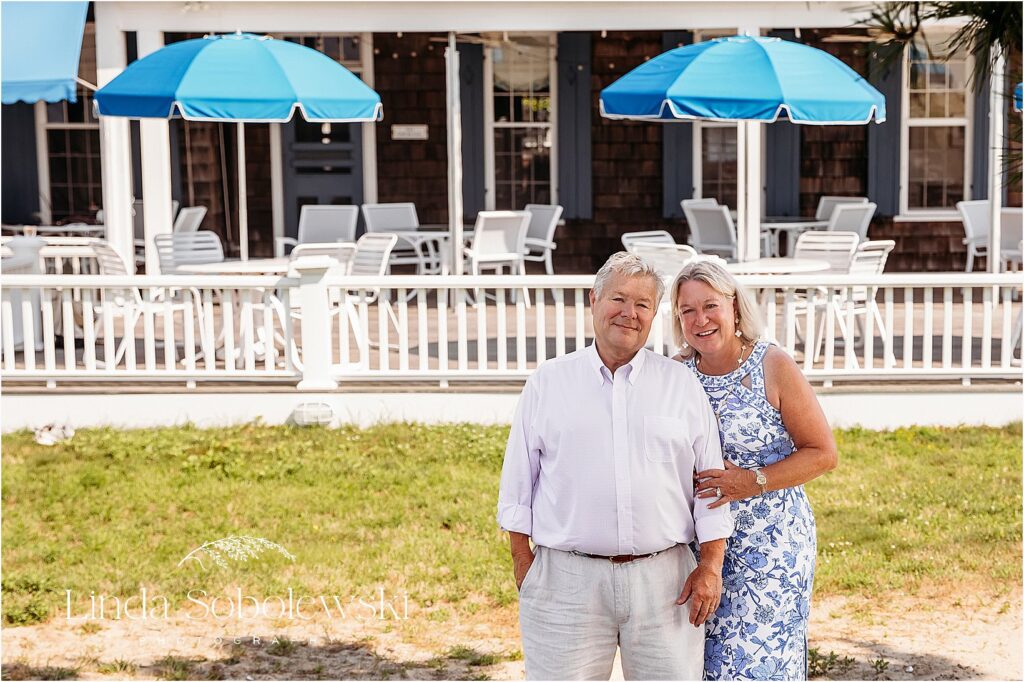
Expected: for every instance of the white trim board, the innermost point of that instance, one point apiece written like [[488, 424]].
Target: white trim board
[[869, 409]]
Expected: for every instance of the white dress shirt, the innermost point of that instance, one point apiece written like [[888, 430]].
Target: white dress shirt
[[604, 464]]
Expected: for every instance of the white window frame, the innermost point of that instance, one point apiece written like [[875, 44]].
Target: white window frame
[[42, 127], [967, 121], [490, 124]]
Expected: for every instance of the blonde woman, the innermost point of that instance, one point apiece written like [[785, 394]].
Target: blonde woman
[[775, 438]]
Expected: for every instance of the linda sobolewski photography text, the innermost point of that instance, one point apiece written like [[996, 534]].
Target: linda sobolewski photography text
[[236, 606], [405, 513]]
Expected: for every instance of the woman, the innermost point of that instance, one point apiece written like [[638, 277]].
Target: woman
[[774, 439]]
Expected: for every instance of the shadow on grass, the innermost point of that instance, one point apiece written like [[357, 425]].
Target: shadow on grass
[[283, 658], [888, 662]]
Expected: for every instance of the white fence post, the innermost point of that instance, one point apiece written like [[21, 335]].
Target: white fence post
[[316, 324]]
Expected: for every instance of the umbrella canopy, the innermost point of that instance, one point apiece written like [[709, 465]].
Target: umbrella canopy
[[744, 78], [1018, 96], [42, 42], [239, 77]]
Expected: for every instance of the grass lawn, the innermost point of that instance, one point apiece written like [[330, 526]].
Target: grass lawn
[[410, 509]]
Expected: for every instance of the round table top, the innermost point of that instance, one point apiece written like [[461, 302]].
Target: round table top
[[777, 266], [792, 223], [69, 229], [253, 266]]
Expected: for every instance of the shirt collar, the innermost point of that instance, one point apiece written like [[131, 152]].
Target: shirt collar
[[630, 369]]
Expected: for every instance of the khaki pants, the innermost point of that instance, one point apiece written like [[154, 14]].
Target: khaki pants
[[574, 611]]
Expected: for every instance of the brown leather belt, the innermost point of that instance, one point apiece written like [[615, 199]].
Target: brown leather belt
[[620, 558]]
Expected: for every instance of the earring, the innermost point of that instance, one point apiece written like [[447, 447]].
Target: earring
[[738, 332], [685, 345]]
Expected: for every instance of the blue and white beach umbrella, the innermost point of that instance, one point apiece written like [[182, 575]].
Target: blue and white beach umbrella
[[241, 78], [744, 78]]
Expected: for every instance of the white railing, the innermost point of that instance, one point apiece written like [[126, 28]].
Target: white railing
[[317, 330]]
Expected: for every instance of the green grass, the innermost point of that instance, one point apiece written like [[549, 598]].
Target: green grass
[[920, 506], [410, 508]]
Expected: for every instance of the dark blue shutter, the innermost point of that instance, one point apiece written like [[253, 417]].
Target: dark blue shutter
[[782, 159], [19, 170], [471, 92], [676, 148], [884, 138], [980, 143], [575, 103]]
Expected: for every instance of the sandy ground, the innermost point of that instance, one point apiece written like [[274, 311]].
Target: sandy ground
[[946, 638]]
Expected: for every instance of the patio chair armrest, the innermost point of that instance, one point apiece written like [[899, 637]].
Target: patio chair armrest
[[540, 243], [281, 242]]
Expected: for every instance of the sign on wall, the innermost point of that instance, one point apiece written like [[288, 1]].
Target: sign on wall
[[409, 132]]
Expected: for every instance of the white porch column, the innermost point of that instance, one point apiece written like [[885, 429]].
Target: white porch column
[[996, 115], [368, 130], [156, 167], [115, 140], [451, 57], [316, 325]]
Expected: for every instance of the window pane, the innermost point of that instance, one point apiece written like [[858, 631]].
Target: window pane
[[956, 105], [918, 105], [936, 167], [522, 166], [937, 87], [718, 164], [74, 162]]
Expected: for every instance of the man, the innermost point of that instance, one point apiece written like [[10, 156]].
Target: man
[[599, 473]]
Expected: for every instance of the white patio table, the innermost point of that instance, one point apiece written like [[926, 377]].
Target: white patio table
[[255, 266], [777, 266], [792, 226], [247, 339]]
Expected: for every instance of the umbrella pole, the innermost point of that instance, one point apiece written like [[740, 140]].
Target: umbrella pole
[[243, 208]]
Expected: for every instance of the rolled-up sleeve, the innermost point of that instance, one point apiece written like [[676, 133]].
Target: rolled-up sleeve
[[521, 468], [709, 524]]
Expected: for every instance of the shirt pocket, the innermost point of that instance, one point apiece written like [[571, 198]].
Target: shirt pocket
[[664, 439]]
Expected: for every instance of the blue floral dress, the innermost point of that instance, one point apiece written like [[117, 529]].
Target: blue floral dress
[[759, 631]]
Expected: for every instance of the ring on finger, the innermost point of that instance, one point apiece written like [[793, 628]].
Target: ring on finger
[[718, 492]]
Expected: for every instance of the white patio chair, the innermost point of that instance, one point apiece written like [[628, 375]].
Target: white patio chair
[[767, 242], [836, 248], [869, 259], [188, 248], [131, 305], [499, 241], [1011, 229], [828, 203], [712, 230], [401, 217], [321, 225], [189, 219], [139, 228], [974, 215], [631, 239], [687, 204], [852, 217], [369, 256], [667, 259], [540, 235]]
